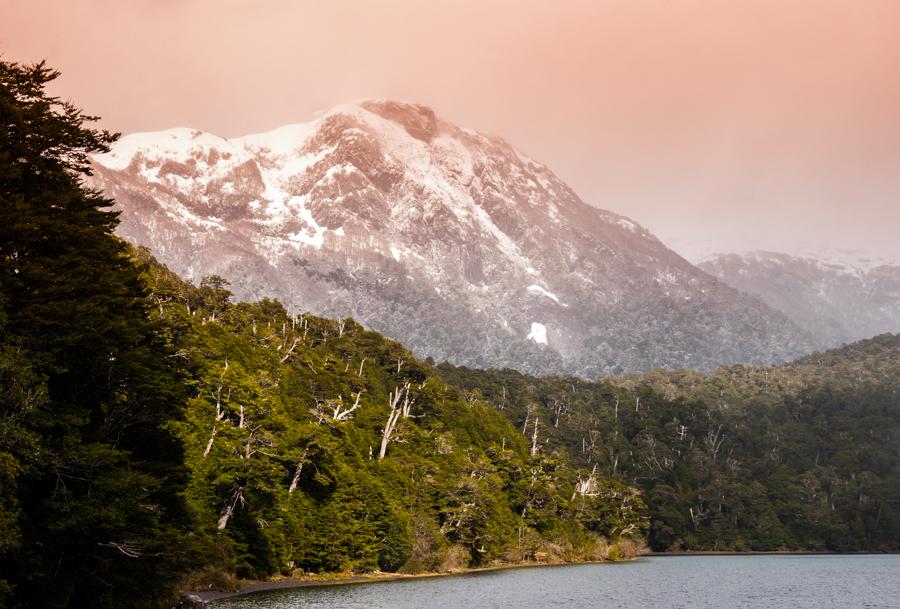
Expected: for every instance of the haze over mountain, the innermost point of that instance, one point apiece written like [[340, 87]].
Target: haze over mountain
[[718, 126], [446, 239], [836, 302]]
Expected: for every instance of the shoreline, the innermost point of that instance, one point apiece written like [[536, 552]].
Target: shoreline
[[314, 581], [317, 581], [763, 553]]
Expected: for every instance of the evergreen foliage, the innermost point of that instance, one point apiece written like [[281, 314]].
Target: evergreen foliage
[[804, 456], [149, 427], [285, 421], [91, 508]]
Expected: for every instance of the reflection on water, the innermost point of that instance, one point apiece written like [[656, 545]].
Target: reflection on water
[[691, 582]]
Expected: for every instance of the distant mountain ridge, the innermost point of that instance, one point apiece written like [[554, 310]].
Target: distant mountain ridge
[[446, 239], [836, 302]]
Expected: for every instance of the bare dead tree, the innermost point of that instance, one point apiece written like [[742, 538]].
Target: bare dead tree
[[295, 480], [397, 409], [343, 415], [559, 408], [159, 302], [228, 508], [126, 549], [534, 438], [697, 515], [389, 426], [714, 440], [589, 444], [220, 413], [290, 350], [250, 442], [587, 487]]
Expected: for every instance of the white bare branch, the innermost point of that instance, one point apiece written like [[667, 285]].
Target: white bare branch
[[228, 508], [290, 350], [398, 409], [343, 415]]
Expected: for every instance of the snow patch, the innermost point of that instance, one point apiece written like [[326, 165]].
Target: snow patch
[[538, 333], [182, 214], [282, 141], [627, 225], [666, 277], [179, 144], [339, 170], [536, 289]]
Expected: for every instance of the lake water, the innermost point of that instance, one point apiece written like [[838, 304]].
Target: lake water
[[689, 582]]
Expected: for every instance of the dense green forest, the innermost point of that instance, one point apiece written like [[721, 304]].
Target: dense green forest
[[155, 434], [314, 444], [92, 475], [151, 428], [804, 456]]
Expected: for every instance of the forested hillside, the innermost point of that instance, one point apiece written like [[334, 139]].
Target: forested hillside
[[314, 444], [803, 456], [150, 428], [154, 432]]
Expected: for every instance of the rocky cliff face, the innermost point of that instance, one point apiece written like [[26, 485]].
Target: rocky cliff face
[[836, 302], [444, 238]]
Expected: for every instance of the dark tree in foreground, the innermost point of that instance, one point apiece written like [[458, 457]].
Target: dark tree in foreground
[[90, 514]]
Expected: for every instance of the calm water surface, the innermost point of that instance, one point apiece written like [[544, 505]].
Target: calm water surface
[[690, 582]]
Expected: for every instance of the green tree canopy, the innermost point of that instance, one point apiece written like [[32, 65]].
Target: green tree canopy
[[93, 474]]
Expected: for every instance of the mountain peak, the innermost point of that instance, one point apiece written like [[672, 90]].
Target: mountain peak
[[451, 241], [179, 143], [418, 120]]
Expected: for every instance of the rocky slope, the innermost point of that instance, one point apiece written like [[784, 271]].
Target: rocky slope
[[444, 238], [837, 303]]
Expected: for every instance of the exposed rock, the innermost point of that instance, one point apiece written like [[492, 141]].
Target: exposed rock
[[448, 240]]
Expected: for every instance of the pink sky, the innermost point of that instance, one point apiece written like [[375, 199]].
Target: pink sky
[[720, 125]]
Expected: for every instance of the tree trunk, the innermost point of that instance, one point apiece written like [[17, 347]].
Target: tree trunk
[[296, 479], [228, 509], [220, 414], [396, 410], [388, 431]]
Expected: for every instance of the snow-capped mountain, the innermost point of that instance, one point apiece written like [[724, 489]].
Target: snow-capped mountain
[[444, 238], [837, 302]]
